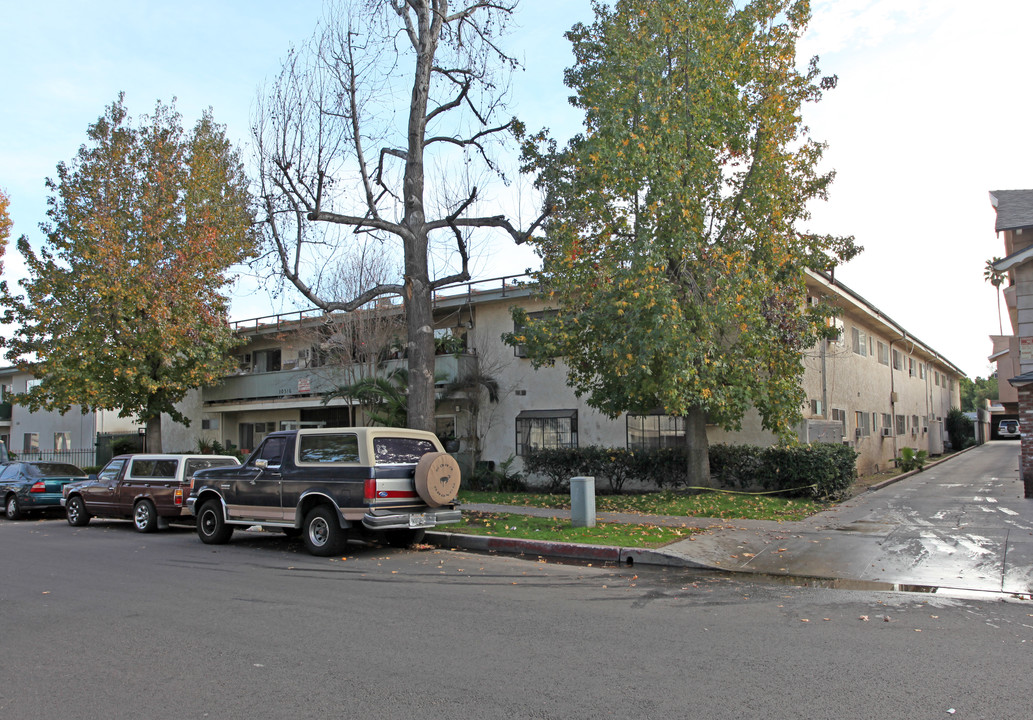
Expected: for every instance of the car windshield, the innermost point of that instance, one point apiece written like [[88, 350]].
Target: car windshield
[[52, 469]]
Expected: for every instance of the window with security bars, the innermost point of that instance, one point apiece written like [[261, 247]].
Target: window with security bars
[[543, 431], [901, 425], [650, 432]]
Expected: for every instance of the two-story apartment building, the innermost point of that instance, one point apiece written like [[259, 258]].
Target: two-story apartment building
[[70, 437], [878, 387]]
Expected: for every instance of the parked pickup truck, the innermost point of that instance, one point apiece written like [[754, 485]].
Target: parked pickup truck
[[329, 483], [149, 489]]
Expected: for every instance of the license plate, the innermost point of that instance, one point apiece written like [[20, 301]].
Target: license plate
[[418, 520]]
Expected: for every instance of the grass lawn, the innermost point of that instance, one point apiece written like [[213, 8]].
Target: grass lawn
[[553, 529], [715, 505]]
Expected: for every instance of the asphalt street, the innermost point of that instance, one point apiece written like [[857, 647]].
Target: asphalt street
[[103, 622]]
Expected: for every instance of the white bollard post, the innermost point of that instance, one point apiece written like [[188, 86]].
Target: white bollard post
[[582, 502]]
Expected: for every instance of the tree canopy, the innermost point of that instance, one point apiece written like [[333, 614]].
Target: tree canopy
[[974, 393], [674, 257], [122, 307], [5, 223]]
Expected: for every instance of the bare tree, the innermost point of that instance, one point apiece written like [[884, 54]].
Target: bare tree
[[345, 135]]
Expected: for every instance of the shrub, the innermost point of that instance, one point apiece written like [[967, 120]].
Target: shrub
[[556, 464], [911, 459], [735, 465], [823, 471], [503, 479], [959, 429]]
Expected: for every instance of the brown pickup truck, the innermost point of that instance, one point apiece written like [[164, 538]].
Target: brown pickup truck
[[149, 489]]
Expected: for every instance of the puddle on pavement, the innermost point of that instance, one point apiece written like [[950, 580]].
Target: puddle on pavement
[[866, 526], [871, 585]]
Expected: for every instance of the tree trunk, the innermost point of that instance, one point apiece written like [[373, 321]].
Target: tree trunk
[[152, 440], [420, 325], [696, 452], [419, 315]]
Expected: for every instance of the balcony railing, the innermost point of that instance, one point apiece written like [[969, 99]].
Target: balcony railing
[[314, 382], [290, 320]]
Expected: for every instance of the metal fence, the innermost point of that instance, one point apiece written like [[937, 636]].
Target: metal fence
[[81, 458]]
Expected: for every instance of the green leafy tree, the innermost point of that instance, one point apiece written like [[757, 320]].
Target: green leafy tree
[[5, 224], [673, 256], [974, 393], [122, 307]]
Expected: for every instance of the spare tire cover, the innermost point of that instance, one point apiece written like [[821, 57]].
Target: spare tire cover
[[437, 478]]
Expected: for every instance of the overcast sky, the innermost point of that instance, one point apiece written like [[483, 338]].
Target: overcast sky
[[931, 113]]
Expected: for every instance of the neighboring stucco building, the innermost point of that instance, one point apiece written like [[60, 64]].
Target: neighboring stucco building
[[878, 388], [70, 436], [1014, 210]]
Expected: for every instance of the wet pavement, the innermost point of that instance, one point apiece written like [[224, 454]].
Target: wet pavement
[[961, 524]]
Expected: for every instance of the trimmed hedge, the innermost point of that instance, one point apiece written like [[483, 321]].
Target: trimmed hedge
[[822, 471]]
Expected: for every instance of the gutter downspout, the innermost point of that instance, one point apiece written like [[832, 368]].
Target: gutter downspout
[[893, 395], [824, 379]]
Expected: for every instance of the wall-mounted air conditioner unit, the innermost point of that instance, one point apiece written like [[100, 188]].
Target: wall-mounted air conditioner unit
[[857, 432], [886, 432]]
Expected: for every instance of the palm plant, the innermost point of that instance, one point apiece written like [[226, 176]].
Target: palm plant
[[995, 278]]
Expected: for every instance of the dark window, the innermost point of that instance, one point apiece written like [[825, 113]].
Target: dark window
[[398, 451], [647, 432], [546, 429], [196, 464], [267, 360], [111, 470], [518, 328], [271, 450], [53, 469], [141, 468], [328, 448], [165, 469]]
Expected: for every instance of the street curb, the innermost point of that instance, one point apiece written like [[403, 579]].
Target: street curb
[[573, 551]]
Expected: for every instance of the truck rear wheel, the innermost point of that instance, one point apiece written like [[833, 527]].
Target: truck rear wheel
[[322, 533]]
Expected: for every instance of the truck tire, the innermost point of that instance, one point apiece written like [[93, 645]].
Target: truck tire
[[145, 517], [322, 533], [76, 512], [211, 526], [437, 478]]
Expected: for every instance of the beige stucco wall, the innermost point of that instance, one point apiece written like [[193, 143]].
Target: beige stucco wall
[[839, 377], [925, 388]]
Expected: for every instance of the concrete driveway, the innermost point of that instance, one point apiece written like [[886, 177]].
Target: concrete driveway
[[962, 524]]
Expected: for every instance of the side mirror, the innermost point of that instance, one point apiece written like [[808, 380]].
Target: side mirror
[[261, 464]]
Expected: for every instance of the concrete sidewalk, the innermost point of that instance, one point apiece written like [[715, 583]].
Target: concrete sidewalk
[[961, 524]]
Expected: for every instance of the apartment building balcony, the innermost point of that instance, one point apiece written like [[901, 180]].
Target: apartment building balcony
[[312, 383]]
